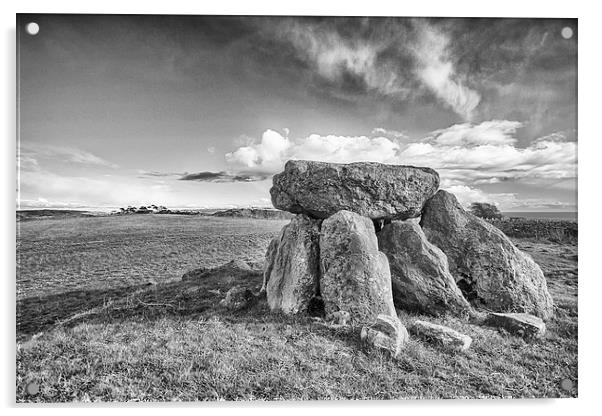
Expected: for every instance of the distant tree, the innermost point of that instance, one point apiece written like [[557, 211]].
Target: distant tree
[[485, 210]]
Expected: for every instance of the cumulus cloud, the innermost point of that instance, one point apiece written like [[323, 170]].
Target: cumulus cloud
[[271, 152], [465, 155], [465, 152], [267, 154]]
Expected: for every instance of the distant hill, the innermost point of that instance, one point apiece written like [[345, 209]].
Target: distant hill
[[37, 214], [257, 213]]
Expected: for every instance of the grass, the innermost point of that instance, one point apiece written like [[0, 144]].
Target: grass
[[172, 341], [59, 255]]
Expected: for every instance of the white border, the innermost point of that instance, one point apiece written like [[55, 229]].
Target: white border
[[590, 118]]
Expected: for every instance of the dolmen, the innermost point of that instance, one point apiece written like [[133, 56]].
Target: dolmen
[[368, 238]]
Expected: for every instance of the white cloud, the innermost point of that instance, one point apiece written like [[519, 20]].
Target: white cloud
[[68, 154], [271, 152], [505, 201], [379, 131], [394, 61], [462, 153], [494, 132], [467, 195], [266, 155], [44, 203], [437, 72], [25, 162], [465, 155], [332, 55]]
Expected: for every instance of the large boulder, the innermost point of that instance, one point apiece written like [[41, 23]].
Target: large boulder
[[420, 276], [292, 266], [487, 267], [373, 190], [355, 276], [387, 333]]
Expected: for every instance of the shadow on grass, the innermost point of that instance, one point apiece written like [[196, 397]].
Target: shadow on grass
[[195, 298]]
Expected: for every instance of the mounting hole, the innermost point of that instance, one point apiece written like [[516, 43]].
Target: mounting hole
[[32, 28], [566, 32]]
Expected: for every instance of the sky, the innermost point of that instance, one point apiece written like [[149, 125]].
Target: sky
[[201, 111]]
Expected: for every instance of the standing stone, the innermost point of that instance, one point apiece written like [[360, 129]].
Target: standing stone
[[387, 333], [420, 276], [373, 190], [522, 324], [442, 335], [355, 275], [292, 266], [488, 268]]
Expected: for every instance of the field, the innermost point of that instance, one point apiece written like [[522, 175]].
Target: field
[[102, 315]]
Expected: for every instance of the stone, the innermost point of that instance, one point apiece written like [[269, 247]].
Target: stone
[[489, 269], [227, 273], [370, 189], [238, 298], [387, 333], [355, 276], [292, 266], [522, 324], [420, 276], [442, 335]]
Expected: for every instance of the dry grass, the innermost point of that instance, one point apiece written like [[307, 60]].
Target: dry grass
[[172, 341], [58, 255]]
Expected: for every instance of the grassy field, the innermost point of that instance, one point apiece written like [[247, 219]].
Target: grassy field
[[103, 315]]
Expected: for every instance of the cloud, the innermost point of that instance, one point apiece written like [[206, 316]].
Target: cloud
[[156, 174], [437, 72], [401, 59], [494, 132], [271, 152], [43, 188], [379, 131], [44, 203], [25, 162], [67, 154], [339, 58], [221, 177], [267, 154], [462, 153], [506, 201], [465, 155], [467, 195]]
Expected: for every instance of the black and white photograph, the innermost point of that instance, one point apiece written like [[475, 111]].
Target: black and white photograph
[[295, 208]]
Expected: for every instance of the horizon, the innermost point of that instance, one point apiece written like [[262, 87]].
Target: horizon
[[199, 112], [225, 207]]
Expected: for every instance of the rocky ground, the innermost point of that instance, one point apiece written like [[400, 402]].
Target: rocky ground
[[127, 328]]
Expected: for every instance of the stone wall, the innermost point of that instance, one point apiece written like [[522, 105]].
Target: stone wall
[[557, 231]]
